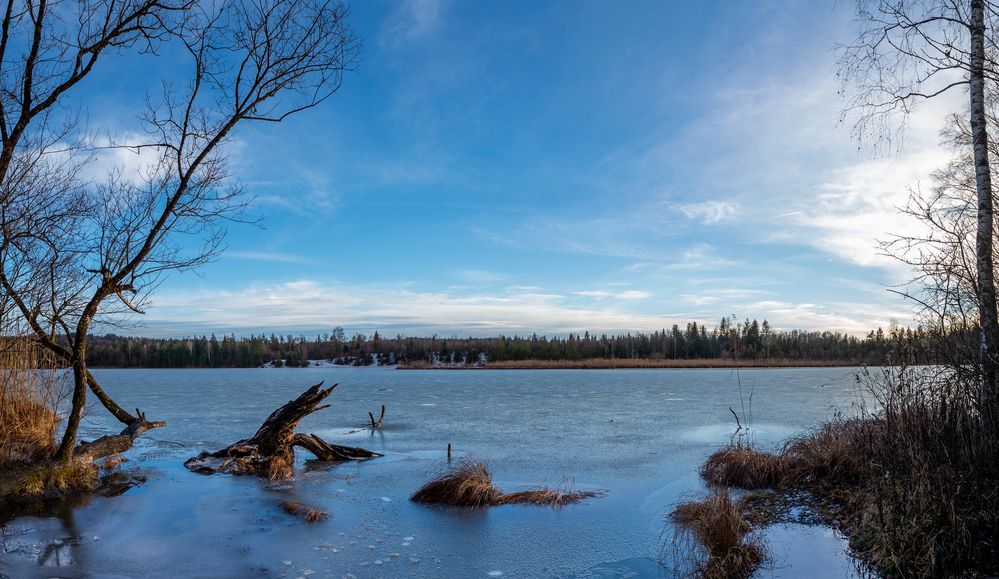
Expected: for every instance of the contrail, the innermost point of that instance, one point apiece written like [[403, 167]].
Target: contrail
[[785, 215]]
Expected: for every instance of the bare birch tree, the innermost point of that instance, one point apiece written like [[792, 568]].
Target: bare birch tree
[[90, 253], [913, 50]]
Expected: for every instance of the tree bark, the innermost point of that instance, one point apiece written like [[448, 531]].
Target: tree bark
[[82, 379], [270, 452], [988, 318], [118, 443], [65, 451]]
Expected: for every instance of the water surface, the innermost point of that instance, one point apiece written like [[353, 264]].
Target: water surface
[[638, 434]]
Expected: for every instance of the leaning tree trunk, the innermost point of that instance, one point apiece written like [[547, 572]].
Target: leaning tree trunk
[[117, 443], [988, 318], [270, 452]]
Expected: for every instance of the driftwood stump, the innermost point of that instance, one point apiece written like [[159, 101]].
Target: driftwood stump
[[270, 452]]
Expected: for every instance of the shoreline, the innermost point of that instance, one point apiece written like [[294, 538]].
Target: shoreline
[[631, 364], [592, 364]]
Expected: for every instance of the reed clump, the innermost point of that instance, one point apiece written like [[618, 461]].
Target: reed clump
[[470, 484], [717, 537], [914, 486], [836, 454]]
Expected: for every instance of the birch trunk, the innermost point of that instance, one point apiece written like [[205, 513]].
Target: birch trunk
[[989, 325]]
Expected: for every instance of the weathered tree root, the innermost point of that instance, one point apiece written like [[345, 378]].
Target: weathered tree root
[[270, 452]]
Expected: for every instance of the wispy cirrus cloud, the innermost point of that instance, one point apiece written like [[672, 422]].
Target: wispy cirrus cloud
[[308, 305], [273, 256], [618, 295], [710, 212], [723, 297], [482, 276]]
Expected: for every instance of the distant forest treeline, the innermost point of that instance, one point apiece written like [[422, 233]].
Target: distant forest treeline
[[730, 339]]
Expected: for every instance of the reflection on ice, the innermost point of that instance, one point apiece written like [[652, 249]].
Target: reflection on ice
[[722, 433], [807, 551]]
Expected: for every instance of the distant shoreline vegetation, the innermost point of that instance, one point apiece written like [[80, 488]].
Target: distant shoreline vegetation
[[631, 363], [747, 343]]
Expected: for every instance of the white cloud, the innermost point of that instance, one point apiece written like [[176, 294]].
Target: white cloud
[[785, 169], [710, 212], [726, 297], [850, 317], [132, 164], [308, 305], [622, 295]]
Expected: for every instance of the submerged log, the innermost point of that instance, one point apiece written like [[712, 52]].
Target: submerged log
[[270, 452]]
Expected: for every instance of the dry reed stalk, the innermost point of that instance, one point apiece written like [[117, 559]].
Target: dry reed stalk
[[31, 390]]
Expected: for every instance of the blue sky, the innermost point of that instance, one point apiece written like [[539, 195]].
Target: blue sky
[[512, 167]]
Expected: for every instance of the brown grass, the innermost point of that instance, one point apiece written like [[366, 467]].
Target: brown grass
[[717, 537], [547, 496], [739, 465], [915, 488], [30, 391], [628, 363], [469, 484], [836, 454], [308, 514]]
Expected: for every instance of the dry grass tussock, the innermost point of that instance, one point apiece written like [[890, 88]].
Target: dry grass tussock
[[713, 537], [30, 391], [469, 484], [740, 465]]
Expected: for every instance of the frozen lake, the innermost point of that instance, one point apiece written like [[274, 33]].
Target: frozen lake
[[638, 434]]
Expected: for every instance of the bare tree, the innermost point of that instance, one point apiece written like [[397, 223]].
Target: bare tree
[[943, 252], [96, 252], [912, 50]]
